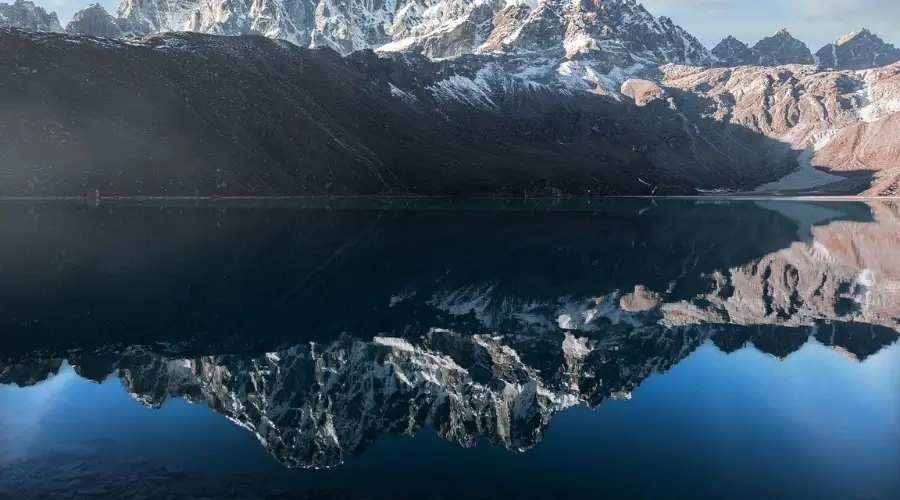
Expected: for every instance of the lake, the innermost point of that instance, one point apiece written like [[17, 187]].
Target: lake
[[429, 348]]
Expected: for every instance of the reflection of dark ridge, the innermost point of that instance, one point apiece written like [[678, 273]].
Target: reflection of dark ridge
[[136, 273], [319, 404], [859, 339], [31, 372]]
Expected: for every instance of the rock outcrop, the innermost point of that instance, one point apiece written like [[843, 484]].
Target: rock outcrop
[[642, 92]]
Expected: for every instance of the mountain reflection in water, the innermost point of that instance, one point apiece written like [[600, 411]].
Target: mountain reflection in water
[[324, 326]]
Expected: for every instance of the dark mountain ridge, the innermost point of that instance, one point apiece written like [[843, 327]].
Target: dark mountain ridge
[[248, 115]]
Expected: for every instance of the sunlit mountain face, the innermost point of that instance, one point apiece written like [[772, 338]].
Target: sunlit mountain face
[[326, 329]]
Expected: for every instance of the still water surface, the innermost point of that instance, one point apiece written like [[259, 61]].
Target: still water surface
[[623, 349]]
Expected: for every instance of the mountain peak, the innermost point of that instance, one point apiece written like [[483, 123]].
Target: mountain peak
[[732, 52], [858, 50], [781, 48]]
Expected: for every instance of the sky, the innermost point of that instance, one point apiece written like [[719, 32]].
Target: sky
[[816, 22]]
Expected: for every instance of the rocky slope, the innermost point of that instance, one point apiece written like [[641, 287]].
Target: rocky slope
[[842, 121]]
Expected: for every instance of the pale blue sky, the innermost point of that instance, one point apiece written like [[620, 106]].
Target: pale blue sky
[[816, 22]]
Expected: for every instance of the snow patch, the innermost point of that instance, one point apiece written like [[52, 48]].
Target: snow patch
[[398, 46]]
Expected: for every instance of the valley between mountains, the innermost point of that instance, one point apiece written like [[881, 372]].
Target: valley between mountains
[[449, 97]]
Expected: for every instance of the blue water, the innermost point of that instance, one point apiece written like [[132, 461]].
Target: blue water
[[800, 401], [742, 424]]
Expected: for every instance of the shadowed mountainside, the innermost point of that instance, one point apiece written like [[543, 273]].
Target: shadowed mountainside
[[200, 115]]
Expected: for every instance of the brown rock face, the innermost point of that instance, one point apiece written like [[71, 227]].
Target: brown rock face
[[642, 91], [847, 121]]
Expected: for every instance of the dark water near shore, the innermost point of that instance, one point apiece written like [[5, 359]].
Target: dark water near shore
[[353, 349]]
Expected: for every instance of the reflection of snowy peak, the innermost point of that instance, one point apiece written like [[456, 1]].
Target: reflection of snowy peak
[[318, 404]]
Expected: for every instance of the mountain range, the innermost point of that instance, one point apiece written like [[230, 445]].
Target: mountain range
[[440, 29], [448, 97]]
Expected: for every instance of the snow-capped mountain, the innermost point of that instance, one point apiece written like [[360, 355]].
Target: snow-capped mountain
[[24, 14], [579, 40], [858, 50], [438, 29]]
